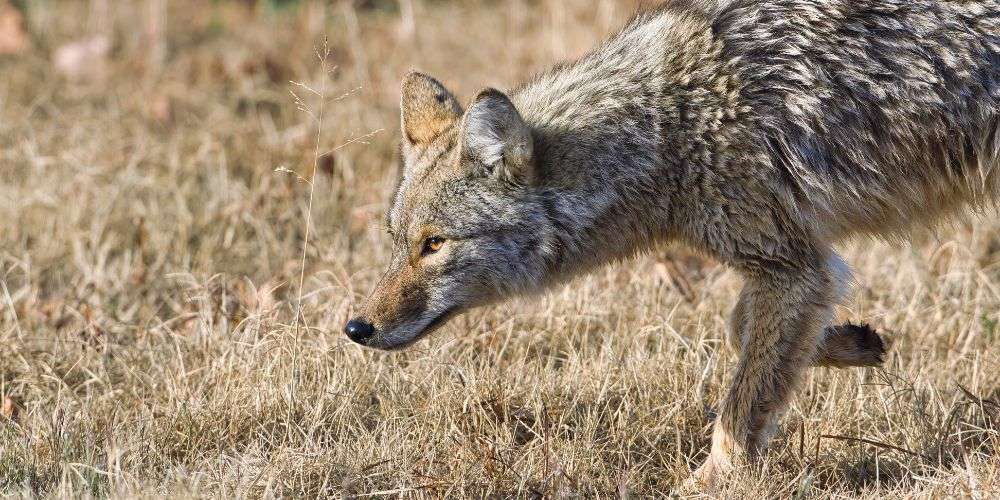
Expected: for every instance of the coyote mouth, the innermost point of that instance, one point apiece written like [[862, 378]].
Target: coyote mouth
[[438, 320], [399, 344], [435, 323]]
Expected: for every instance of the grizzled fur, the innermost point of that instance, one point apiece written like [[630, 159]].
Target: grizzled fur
[[759, 131]]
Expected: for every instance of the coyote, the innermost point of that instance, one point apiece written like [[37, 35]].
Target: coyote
[[760, 132]]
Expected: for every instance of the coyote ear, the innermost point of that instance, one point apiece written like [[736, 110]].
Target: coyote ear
[[428, 109], [495, 135]]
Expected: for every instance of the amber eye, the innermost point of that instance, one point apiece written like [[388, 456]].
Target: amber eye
[[432, 244]]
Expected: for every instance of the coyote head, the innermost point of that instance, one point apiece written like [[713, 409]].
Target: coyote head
[[466, 223]]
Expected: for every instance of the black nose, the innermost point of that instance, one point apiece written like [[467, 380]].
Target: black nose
[[359, 330]]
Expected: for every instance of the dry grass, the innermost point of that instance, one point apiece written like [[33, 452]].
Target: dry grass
[[149, 262]]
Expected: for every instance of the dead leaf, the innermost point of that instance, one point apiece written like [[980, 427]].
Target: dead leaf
[[161, 109], [259, 300], [680, 269], [82, 59], [326, 164], [92, 336], [10, 408], [13, 37]]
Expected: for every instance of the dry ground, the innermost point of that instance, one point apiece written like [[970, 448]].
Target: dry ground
[[150, 266]]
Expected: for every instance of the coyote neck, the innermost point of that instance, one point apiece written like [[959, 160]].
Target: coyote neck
[[615, 150]]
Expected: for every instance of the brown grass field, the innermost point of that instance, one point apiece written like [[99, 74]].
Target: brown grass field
[[155, 202]]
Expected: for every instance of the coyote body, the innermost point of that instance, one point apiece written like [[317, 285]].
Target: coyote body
[[760, 132]]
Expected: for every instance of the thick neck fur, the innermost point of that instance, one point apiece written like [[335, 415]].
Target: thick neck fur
[[615, 133]]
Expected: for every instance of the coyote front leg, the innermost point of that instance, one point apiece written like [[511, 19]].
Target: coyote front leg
[[781, 315]]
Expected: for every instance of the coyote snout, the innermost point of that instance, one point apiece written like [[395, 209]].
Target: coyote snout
[[403, 308]]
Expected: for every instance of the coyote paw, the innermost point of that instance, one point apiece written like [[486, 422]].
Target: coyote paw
[[851, 345], [706, 478]]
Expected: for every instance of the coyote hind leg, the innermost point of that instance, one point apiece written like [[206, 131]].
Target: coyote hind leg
[[849, 345], [841, 346]]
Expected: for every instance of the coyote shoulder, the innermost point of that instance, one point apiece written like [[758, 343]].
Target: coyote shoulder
[[760, 131]]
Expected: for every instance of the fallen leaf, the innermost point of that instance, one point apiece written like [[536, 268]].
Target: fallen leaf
[[259, 300], [83, 58], [10, 409], [13, 37], [326, 164], [161, 109]]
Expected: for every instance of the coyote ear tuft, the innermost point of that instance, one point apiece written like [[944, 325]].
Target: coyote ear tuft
[[495, 135], [428, 109]]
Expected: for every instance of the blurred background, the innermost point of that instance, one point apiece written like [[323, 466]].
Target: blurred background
[[161, 164], [165, 121]]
